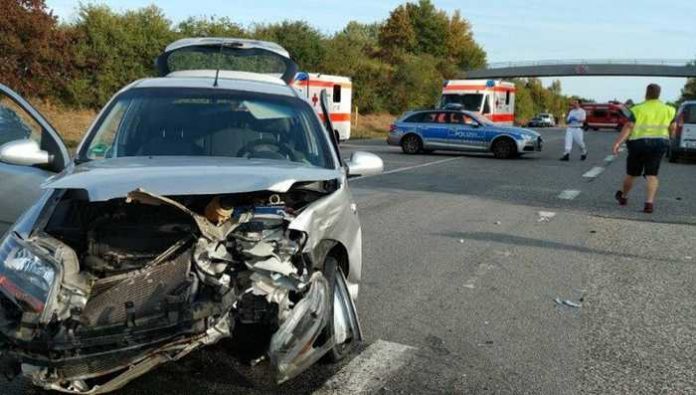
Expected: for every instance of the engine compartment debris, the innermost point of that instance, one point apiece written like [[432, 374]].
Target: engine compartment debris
[[147, 279]]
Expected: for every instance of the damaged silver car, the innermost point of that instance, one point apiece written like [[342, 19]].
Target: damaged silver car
[[199, 203]]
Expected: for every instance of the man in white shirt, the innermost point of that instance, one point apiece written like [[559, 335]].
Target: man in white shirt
[[575, 121]]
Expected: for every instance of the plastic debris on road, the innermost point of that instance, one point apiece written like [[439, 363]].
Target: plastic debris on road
[[566, 302]]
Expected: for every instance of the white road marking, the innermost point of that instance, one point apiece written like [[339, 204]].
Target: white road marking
[[594, 172], [370, 370], [406, 168], [610, 159], [569, 194], [545, 216]]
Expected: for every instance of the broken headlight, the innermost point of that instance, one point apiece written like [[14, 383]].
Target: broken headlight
[[25, 277]]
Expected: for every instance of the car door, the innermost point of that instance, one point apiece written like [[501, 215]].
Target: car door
[[434, 129], [466, 133], [19, 181]]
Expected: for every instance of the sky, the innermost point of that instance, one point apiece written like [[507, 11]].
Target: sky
[[509, 30]]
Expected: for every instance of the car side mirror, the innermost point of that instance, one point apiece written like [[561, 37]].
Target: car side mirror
[[364, 164], [24, 153]]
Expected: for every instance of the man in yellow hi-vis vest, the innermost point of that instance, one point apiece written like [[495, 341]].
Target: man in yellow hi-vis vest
[[648, 135]]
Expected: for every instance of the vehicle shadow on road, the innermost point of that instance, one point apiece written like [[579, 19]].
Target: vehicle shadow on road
[[538, 243]]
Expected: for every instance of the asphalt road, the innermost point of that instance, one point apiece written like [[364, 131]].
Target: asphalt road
[[464, 257]]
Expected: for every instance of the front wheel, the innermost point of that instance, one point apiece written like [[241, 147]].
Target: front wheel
[[343, 327], [411, 144], [504, 149]]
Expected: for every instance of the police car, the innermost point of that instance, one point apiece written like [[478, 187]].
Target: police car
[[459, 130]]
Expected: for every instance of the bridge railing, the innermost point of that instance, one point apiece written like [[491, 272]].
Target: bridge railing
[[551, 62]]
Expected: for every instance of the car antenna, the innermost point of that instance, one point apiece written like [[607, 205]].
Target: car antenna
[[217, 72]]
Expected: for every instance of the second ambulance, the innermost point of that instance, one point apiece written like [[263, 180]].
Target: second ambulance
[[491, 98]]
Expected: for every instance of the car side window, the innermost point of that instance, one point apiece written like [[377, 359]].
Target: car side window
[[16, 123], [416, 118], [442, 117]]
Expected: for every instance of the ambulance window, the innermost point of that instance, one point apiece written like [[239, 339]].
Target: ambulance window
[[507, 98], [337, 93], [486, 106]]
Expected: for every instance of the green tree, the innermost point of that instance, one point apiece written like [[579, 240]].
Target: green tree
[[431, 27], [397, 36], [114, 49], [34, 50], [462, 51], [210, 27], [524, 105], [416, 83], [688, 92], [305, 43], [364, 36]]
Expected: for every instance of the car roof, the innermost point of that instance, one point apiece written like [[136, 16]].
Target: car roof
[[414, 112], [230, 80]]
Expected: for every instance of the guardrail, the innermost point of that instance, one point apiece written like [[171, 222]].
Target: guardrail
[[551, 62]]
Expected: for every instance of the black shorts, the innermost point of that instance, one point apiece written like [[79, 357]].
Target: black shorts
[[644, 156]]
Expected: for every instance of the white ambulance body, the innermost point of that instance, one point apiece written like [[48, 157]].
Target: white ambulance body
[[339, 91], [492, 98]]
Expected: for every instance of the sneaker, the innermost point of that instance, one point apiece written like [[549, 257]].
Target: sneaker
[[649, 208], [565, 158], [620, 198], [583, 156]]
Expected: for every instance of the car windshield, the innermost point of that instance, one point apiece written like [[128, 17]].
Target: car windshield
[[208, 122], [480, 119], [469, 101]]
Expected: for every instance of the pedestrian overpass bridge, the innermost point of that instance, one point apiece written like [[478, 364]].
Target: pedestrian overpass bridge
[[587, 67]]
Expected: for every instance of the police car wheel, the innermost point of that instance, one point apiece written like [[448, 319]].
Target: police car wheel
[[411, 144], [504, 149]]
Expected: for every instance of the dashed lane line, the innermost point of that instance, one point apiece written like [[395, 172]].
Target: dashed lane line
[[407, 168], [370, 370], [594, 172], [569, 194]]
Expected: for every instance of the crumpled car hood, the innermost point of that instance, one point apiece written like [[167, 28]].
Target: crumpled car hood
[[185, 175]]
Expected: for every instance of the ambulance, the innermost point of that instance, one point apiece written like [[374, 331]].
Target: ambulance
[[493, 99], [339, 91]]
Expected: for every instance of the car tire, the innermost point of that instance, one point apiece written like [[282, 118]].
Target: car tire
[[337, 284], [504, 148], [411, 144]]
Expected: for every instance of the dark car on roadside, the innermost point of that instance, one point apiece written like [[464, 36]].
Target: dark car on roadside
[[543, 120]]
